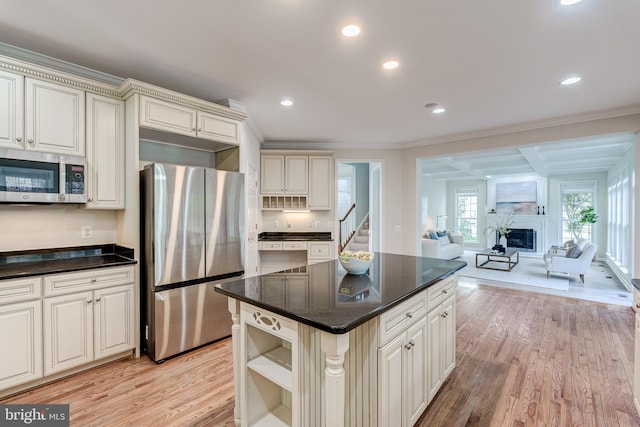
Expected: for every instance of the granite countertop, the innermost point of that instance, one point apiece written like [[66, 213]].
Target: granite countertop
[[334, 301], [636, 283], [18, 264], [302, 236]]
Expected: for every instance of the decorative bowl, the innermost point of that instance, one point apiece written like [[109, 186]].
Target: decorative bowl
[[356, 262]]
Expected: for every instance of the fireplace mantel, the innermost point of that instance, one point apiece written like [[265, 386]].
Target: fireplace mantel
[[535, 222]]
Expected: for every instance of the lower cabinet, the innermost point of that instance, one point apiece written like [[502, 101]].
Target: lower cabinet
[[86, 326], [21, 338], [402, 381], [636, 365], [58, 322], [441, 344]]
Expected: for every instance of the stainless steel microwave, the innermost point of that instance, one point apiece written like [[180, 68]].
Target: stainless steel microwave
[[33, 177]]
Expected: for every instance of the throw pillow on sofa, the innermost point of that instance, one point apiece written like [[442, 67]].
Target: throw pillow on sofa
[[444, 240], [574, 252]]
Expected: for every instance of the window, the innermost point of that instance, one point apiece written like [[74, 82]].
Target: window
[[467, 212], [578, 203]]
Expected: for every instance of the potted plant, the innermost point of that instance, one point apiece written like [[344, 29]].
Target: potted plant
[[501, 228]]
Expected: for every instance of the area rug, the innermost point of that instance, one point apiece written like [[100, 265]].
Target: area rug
[[529, 272]]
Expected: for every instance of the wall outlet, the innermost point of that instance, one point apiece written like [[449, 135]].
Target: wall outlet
[[86, 232], [317, 224], [276, 224], [310, 224], [288, 224]]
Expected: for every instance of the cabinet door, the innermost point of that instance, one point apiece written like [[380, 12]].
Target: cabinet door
[[105, 152], [113, 321], [218, 128], [448, 336], [272, 289], [11, 110], [320, 182], [390, 383], [416, 368], [21, 338], [166, 116], [296, 171], [54, 116], [272, 174], [68, 331], [434, 350], [636, 364]]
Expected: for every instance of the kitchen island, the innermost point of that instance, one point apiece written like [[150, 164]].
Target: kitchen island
[[315, 346]]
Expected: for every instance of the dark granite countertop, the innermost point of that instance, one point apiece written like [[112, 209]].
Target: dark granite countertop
[[636, 283], [277, 236], [18, 264], [334, 301]]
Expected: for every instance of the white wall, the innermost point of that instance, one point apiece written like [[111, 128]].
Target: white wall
[[481, 185], [434, 202], [53, 226]]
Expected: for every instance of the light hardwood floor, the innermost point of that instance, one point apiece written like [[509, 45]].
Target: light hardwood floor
[[524, 359]]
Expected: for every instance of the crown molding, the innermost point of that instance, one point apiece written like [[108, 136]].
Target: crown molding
[[45, 73], [131, 86], [326, 145]]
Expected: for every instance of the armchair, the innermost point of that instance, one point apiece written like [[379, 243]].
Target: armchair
[[564, 264]]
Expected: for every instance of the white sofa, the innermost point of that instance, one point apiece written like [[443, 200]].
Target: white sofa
[[443, 247], [580, 265]]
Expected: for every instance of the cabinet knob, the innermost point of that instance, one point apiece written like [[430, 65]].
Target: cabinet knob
[[93, 280], [90, 200], [412, 342], [407, 346], [89, 301], [444, 314], [444, 291], [409, 315], [19, 139], [193, 129], [30, 141], [98, 299], [199, 130], [638, 305]]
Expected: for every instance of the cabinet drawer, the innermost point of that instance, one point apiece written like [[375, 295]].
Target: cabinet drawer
[[320, 250], [60, 284], [295, 246], [398, 319], [16, 290], [270, 246], [439, 292]]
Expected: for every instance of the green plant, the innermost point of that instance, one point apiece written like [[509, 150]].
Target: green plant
[[586, 216], [502, 226]]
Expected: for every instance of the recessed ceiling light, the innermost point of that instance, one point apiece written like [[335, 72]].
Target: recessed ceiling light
[[286, 103], [438, 110], [390, 65], [569, 2], [350, 30], [570, 80]]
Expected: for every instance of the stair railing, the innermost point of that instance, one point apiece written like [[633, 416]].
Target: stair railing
[[346, 229]]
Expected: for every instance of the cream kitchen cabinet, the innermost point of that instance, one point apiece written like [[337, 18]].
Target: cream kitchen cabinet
[[321, 188], [54, 118], [402, 387], [319, 252], [441, 344], [41, 116], [105, 152], [402, 363], [284, 174], [175, 118], [636, 364], [20, 331], [88, 315], [11, 110]]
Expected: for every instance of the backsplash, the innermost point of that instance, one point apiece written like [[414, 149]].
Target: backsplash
[[277, 221]]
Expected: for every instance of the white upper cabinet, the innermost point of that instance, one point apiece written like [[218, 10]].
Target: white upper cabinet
[[54, 118], [175, 118], [11, 110], [284, 174], [105, 152], [320, 182]]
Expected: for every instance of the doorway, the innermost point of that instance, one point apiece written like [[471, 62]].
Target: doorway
[[358, 205]]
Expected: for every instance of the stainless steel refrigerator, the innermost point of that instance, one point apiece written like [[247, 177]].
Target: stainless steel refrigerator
[[193, 237]]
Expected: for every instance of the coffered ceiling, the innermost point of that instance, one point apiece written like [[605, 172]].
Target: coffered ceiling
[[494, 65], [565, 157]]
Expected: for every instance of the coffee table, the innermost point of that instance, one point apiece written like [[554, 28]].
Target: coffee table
[[508, 257]]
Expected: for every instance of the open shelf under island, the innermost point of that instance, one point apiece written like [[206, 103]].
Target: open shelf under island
[[315, 346]]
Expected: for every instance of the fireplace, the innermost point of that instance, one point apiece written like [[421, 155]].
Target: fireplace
[[522, 238]]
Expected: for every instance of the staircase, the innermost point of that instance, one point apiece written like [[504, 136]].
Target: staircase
[[360, 241]]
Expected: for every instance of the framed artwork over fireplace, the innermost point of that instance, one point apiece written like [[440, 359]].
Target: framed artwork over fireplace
[[523, 196]]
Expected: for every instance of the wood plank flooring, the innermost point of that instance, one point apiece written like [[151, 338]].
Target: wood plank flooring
[[523, 359]]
